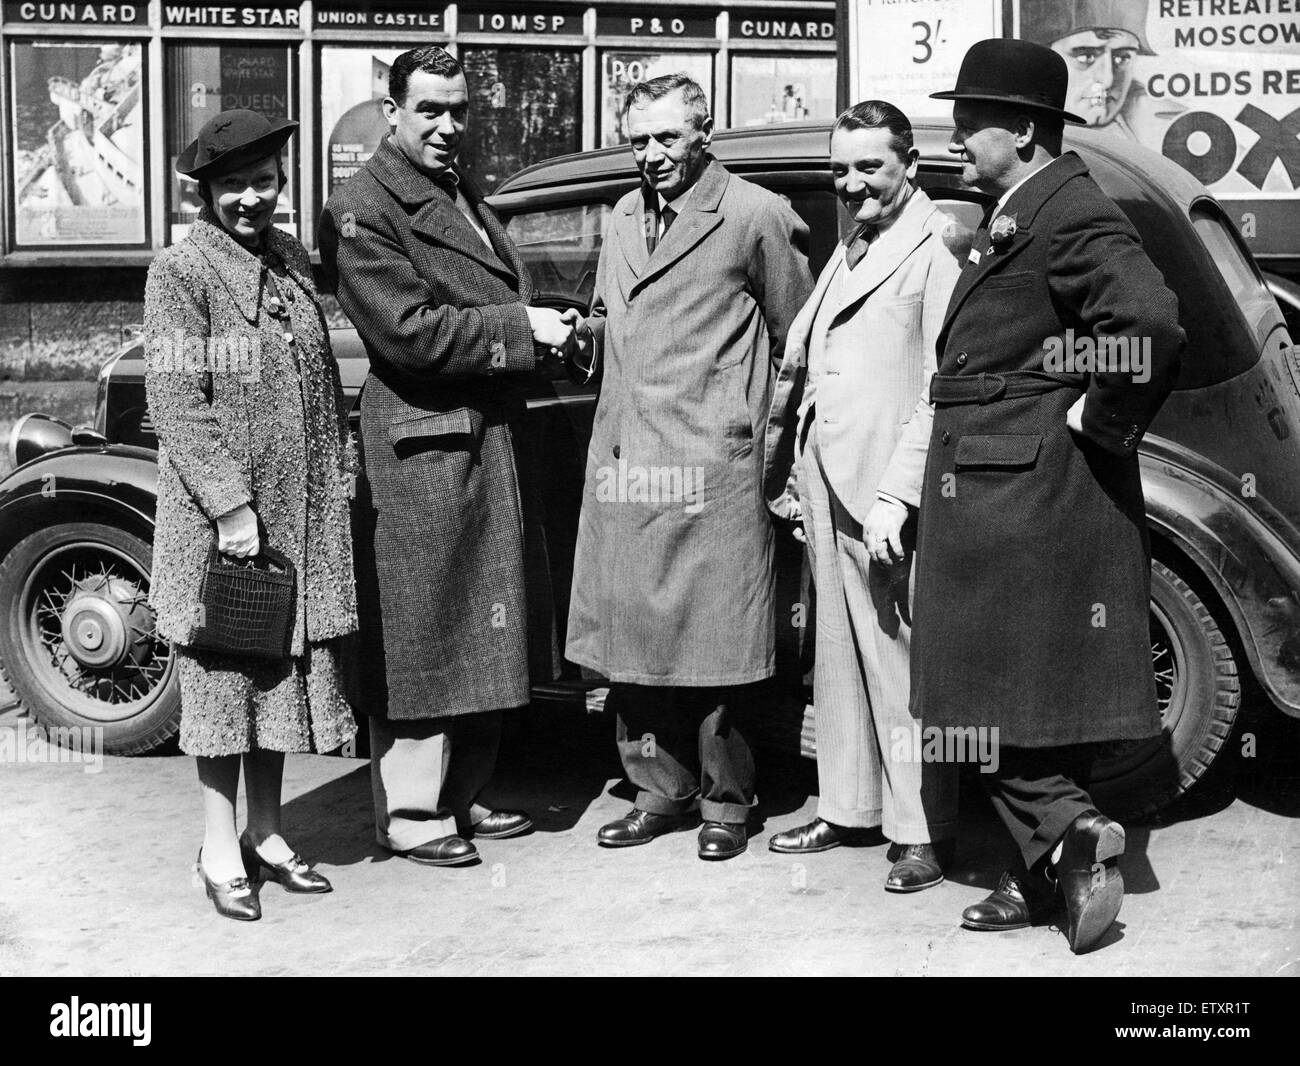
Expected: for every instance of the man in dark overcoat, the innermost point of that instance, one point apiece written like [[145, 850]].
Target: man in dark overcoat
[[1060, 343], [441, 299], [700, 275]]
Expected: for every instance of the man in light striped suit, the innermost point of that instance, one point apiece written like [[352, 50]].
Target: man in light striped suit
[[859, 355]]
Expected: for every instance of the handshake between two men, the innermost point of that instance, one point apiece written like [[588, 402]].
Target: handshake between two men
[[559, 333]]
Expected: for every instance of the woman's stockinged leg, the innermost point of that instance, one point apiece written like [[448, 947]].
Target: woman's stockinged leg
[[219, 780], [263, 774]]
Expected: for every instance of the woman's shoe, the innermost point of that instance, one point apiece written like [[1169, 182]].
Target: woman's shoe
[[236, 898], [294, 874]]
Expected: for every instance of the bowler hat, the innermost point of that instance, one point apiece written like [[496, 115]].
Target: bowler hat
[[233, 139], [1047, 21], [1013, 72]]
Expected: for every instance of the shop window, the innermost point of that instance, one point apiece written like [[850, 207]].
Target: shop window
[[77, 154], [525, 106], [622, 70], [353, 84], [204, 80], [767, 89], [561, 246]]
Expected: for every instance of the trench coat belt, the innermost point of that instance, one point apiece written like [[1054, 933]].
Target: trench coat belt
[[988, 388]]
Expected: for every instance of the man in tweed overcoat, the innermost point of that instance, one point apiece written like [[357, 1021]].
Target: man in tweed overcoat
[[1033, 581], [699, 278], [441, 299]]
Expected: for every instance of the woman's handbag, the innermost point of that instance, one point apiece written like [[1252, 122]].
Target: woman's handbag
[[246, 605]]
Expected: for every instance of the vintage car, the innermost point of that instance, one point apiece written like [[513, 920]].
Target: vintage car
[[1219, 467]]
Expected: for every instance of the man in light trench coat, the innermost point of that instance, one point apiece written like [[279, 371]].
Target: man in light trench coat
[[441, 299], [699, 278]]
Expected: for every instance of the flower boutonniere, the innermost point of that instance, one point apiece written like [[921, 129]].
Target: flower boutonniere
[[1001, 232]]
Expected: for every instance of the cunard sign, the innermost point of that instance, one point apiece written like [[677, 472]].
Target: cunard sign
[[77, 14], [780, 26]]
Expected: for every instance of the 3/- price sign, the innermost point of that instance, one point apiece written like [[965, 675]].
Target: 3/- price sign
[[903, 52]]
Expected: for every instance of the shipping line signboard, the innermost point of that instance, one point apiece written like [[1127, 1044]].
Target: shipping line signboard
[[1213, 85], [76, 157]]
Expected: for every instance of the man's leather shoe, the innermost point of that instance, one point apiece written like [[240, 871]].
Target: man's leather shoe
[[1089, 878], [501, 824], [919, 866], [722, 840], [445, 851], [640, 827], [1012, 905], [820, 835]]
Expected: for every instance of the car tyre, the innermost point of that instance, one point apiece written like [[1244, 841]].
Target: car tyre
[[1199, 692], [77, 638]]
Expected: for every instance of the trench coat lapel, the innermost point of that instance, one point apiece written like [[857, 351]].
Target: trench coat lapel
[[437, 217], [887, 253], [700, 217], [1023, 207], [631, 234]]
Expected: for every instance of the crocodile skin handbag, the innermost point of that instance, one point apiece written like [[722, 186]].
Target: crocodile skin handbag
[[246, 606]]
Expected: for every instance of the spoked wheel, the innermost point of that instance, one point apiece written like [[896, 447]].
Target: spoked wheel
[[78, 641], [1198, 692]]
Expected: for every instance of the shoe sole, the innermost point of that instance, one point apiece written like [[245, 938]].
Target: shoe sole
[[989, 927], [460, 860], [717, 856], [782, 850], [903, 889], [504, 834], [1103, 903]]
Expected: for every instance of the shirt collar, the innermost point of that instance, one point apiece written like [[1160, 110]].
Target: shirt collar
[[676, 204]]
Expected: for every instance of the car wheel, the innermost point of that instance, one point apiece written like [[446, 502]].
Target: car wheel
[[1198, 691], [77, 637]]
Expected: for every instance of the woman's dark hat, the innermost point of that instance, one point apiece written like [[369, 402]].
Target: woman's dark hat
[[1013, 72], [233, 139]]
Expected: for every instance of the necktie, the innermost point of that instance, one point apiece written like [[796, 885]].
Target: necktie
[[448, 179], [857, 249], [653, 219]]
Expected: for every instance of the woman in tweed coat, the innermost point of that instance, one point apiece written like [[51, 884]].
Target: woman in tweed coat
[[253, 444]]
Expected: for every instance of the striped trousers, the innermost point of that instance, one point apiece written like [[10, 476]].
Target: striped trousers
[[861, 679]]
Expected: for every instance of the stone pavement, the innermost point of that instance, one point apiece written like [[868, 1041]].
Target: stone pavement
[[95, 879]]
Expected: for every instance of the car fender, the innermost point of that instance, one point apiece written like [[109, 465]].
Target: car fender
[[1243, 547], [117, 483]]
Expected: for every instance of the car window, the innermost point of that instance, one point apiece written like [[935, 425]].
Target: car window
[[817, 207], [1234, 266], [561, 246], [1290, 308]]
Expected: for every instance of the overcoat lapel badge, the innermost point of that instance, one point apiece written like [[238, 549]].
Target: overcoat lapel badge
[[1001, 232]]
